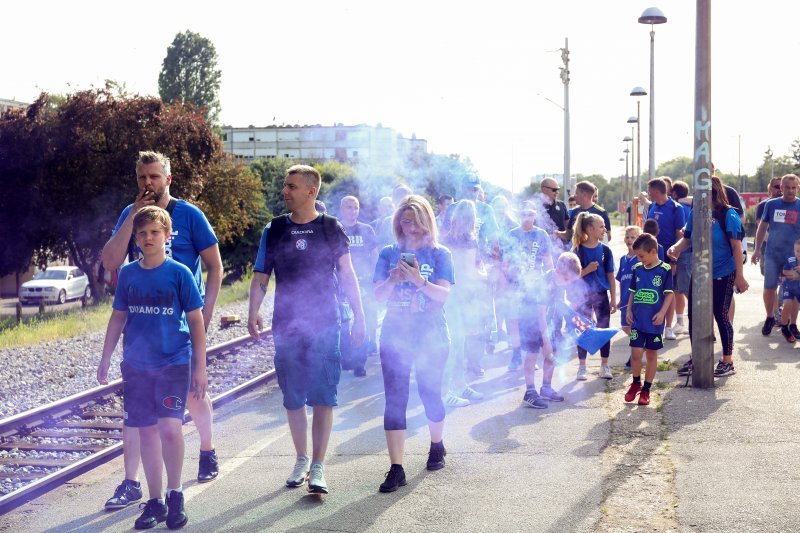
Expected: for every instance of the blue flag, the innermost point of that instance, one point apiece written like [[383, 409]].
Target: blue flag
[[584, 332]]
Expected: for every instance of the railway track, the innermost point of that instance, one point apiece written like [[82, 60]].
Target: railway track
[[47, 446]]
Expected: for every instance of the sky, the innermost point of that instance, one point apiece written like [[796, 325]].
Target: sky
[[477, 79]]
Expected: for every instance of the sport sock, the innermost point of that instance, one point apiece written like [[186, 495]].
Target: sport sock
[[637, 379], [179, 489], [646, 386]]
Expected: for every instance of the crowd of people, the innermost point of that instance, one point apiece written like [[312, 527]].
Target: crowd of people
[[425, 292]]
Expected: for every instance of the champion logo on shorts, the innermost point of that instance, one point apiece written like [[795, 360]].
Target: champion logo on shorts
[[172, 402], [301, 244]]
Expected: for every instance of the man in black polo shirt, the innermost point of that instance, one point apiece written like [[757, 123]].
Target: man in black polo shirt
[[553, 214], [584, 191]]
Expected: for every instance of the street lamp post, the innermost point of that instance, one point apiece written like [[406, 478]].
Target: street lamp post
[[637, 92], [628, 177], [652, 16], [565, 81]]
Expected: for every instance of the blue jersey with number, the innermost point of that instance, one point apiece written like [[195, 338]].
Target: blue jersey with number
[[649, 287], [156, 332], [191, 234]]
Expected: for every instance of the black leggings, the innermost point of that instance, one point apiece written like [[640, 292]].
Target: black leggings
[[723, 296], [425, 346], [599, 303]]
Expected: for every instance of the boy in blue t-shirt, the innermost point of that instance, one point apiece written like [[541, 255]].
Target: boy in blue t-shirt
[[650, 298], [791, 294], [159, 306]]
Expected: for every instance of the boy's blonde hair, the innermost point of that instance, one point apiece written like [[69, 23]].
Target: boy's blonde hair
[[152, 213], [582, 223], [568, 263], [635, 229]]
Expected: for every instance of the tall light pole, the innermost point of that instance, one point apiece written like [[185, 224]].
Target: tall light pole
[[637, 92], [628, 177], [565, 81], [652, 16]]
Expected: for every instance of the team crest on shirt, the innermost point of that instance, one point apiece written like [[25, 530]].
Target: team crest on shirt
[[657, 281], [301, 244]]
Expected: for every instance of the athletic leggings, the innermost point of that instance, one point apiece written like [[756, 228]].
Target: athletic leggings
[[599, 303], [723, 296], [422, 341]]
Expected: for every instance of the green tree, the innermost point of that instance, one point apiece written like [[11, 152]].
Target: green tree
[[73, 161], [771, 166], [189, 74], [680, 168]]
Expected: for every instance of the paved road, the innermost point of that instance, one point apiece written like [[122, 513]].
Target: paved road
[[8, 307], [713, 460]]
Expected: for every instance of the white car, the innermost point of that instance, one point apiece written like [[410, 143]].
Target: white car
[[57, 284]]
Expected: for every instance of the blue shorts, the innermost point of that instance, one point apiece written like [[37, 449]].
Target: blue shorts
[[648, 341], [772, 270], [308, 367], [788, 293], [148, 395], [683, 274]]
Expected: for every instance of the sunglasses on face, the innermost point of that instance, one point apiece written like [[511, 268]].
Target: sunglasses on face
[[776, 186], [554, 189]]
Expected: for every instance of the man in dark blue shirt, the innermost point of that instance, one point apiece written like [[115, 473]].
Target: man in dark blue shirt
[[584, 192]]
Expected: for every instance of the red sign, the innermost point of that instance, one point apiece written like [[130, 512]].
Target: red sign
[[752, 199]]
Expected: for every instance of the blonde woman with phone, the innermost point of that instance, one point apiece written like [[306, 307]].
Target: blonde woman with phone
[[413, 277]]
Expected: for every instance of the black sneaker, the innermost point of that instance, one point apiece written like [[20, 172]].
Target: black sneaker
[[794, 330], [724, 369], [209, 467], [395, 477], [787, 334], [127, 492], [154, 512], [176, 517], [436, 456], [769, 323], [686, 369], [360, 372], [532, 399]]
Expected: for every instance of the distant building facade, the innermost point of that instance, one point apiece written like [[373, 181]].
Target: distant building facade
[[5, 105], [374, 145]]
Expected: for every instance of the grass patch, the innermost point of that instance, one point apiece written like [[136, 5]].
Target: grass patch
[[664, 366], [78, 322], [663, 385]]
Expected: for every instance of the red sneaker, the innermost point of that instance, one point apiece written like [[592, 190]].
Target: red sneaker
[[632, 392], [644, 397]]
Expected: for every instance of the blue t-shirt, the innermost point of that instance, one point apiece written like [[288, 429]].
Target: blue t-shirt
[[156, 332], [304, 260], [624, 275], [434, 264], [783, 227], [720, 242], [670, 218], [649, 287], [191, 234], [362, 243], [597, 280], [524, 253], [791, 285]]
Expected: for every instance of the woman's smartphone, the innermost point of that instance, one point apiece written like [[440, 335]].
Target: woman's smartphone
[[408, 258]]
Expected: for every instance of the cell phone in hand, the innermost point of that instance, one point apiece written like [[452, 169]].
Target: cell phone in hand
[[408, 258]]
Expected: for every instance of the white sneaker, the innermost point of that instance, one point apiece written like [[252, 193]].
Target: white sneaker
[[605, 372], [679, 329], [451, 400], [471, 394], [582, 373], [316, 479], [298, 475], [669, 334]]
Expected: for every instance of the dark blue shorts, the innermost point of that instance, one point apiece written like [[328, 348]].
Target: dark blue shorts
[[148, 395], [648, 341], [788, 293], [308, 366]]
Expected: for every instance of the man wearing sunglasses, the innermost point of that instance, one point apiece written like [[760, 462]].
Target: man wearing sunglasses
[[554, 215]]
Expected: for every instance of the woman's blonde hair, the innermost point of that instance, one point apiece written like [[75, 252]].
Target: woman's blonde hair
[[423, 217], [582, 223], [463, 225]]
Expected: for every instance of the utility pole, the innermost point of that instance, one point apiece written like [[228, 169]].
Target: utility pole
[[702, 260], [565, 81]]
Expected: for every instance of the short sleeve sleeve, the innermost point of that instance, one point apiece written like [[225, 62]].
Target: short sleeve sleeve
[[121, 292], [188, 293], [680, 217], [608, 263], [341, 243], [633, 281], [121, 220], [383, 265], [765, 212], [733, 224], [202, 233], [263, 263], [443, 268], [668, 282], [687, 230]]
